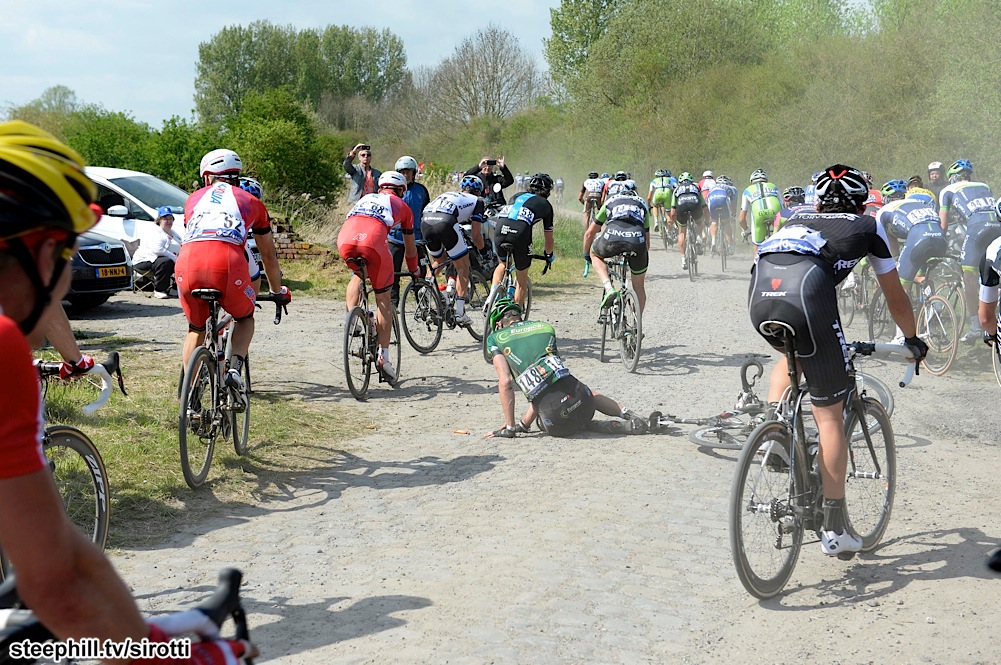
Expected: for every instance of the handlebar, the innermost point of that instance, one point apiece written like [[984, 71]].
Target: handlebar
[[281, 305], [886, 350], [745, 382], [103, 371]]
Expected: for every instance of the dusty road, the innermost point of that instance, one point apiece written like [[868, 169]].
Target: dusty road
[[419, 545]]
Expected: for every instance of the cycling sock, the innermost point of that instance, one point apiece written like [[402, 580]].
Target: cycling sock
[[608, 286], [460, 306], [834, 515], [384, 354], [236, 363]]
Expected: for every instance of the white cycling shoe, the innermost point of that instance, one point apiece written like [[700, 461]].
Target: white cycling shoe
[[835, 544], [463, 320], [387, 369]]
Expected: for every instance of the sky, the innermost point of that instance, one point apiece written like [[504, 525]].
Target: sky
[[138, 56]]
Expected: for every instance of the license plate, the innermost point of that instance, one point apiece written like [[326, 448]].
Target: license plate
[[115, 271]]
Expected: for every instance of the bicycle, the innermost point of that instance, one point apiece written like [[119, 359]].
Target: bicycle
[[855, 293], [692, 241], [935, 322], [18, 623], [507, 286], [208, 407], [777, 494], [724, 230], [361, 341], [622, 317], [946, 280], [660, 219], [425, 308]]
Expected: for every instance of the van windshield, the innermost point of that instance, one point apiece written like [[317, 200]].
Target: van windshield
[[153, 192]]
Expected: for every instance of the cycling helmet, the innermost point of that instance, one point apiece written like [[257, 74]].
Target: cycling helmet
[[252, 186], [540, 184], [959, 167], [592, 175], [816, 176], [759, 175], [406, 162], [894, 189], [221, 162], [794, 195], [667, 173], [935, 166], [393, 180], [842, 186], [629, 186], [868, 178], [604, 176], [685, 177], [503, 307], [724, 180], [472, 182], [708, 174], [659, 173], [621, 176]]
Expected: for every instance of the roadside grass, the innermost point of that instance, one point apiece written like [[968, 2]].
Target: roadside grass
[[137, 437]]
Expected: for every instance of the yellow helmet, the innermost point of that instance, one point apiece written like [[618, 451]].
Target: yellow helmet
[[42, 183]]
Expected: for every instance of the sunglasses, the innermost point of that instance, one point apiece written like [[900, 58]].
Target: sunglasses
[[364, 154]]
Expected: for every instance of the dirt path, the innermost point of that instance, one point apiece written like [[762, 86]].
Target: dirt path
[[421, 545]]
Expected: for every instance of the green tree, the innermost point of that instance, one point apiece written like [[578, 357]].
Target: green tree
[[576, 25], [50, 110], [108, 138]]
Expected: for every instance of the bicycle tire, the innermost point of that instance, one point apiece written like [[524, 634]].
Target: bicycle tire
[[357, 360], [240, 420], [722, 247], [937, 325], [607, 323], [486, 331], [528, 298], [663, 233], [423, 315], [728, 437], [196, 425], [631, 329], [846, 305], [876, 389], [396, 350], [761, 514], [479, 289], [996, 354], [82, 480], [690, 255], [878, 317], [956, 296], [868, 495]]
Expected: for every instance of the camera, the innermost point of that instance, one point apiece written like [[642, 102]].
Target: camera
[[364, 147], [491, 162]]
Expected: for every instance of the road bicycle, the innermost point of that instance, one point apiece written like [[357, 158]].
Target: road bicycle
[[507, 287], [945, 276], [724, 230], [668, 232], [777, 494], [18, 623], [621, 319], [692, 242], [361, 340], [856, 292], [427, 305], [935, 320], [210, 409]]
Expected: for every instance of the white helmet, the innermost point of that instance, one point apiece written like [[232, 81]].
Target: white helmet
[[406, 162], [630, 186], [221, 162], [393, 179], [708, 174], [759, 175]]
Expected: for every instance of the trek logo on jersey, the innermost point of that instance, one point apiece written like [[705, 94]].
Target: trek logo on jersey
[[841, 264], [774, 294]]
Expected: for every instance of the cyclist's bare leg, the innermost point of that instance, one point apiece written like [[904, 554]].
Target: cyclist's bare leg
[[352, 296], [599, 266], [833, 456], [606, 405], [461, 282], [712, 232], [191, 342], [384, 318], [639, 286], [243, 333], [682, 234], [521, 286], [498, 273]]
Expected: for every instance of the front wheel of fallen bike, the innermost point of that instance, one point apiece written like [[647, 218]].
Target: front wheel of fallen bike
[[766, 531], [197, 426], [357, 360], [631, 329], [729, 435], [871, 481]]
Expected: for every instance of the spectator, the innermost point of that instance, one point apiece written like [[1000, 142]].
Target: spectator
[[936, 179], [493, 171], [365, 179], [154, 253]]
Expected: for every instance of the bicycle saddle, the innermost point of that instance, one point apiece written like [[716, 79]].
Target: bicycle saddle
[[207, 294], [778, 329]]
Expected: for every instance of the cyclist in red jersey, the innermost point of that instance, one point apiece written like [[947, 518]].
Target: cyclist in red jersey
[[365, 235], [69, 583]]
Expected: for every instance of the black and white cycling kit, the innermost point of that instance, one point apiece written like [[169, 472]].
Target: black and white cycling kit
[[794, 280], [440, 224], [625, 219], [972, 202], [915, 222], [515, 222], [990, 273]]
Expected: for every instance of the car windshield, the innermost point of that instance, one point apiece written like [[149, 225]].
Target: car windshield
[[153, 192]]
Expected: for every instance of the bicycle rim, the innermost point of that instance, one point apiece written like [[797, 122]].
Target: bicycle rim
[[766, 533], [197, 427], [663, 235], [730, 437], [875, 389], [846, 305], [240, 420], [422, 313], [937, 325], [396, 349], [872, 475], [722, 247], [479, 289], [878, 316], [631, 327], [357, 360], [486, 332], [79, 474], [528, 298], [690, 253]]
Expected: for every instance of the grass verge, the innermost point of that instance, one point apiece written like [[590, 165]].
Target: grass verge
[[137, 437]]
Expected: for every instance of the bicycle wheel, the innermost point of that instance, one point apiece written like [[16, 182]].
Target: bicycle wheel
[[607, 324], [528, 298], [396, 349], [486, 332], [479, 289], [766, 533], [423, 316], [996, 354], [631, 328], [846, 304], [197, 426], [872, 474], [873, 387], [663, 233], [240, 419], [878, 317], [690, 254], [937, 325], [956, 297], [357, 356], [730, 435], [721, 246], [80, 476]]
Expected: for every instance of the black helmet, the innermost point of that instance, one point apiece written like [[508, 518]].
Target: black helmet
[[592, 175], [621, 176], [540, 184], [839, 185]]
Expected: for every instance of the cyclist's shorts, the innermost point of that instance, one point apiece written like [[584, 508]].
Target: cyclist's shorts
[[981, 230], [592, 202], [565, 408], [686, 213], [800, 291], [762, 218], [719, 213], [442, 233], [921, 245], [518, 234], [366, 238], [662, 197], [213, 264], [618, 238]]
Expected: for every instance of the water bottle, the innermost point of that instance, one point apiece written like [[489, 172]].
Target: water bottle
[[510, 292], [371, 320]]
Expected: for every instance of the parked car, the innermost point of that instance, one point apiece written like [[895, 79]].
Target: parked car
[[100, 269]]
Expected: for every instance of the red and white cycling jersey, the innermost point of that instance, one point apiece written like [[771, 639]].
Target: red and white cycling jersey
[[223, 212], [22, 424], [388, 209], [705, 185]]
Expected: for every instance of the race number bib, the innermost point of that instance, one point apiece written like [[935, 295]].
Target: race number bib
[[215, 225], [538, 376]]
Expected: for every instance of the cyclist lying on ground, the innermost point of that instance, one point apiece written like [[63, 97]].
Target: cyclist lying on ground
[[68, 582], [562, 404]]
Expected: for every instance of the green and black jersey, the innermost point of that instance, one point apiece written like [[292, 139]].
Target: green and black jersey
[[530, 350]]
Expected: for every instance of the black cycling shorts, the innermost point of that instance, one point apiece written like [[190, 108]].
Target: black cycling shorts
[[621, 238], [920, 246], [981, 230], [442, 233], [800, 291], [519, 235], [686, 213], [565, 408]]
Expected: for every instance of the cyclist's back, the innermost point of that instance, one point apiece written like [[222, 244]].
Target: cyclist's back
[[515, 222], [722, 201], [762, 201], [687, 202], [915, 222]]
